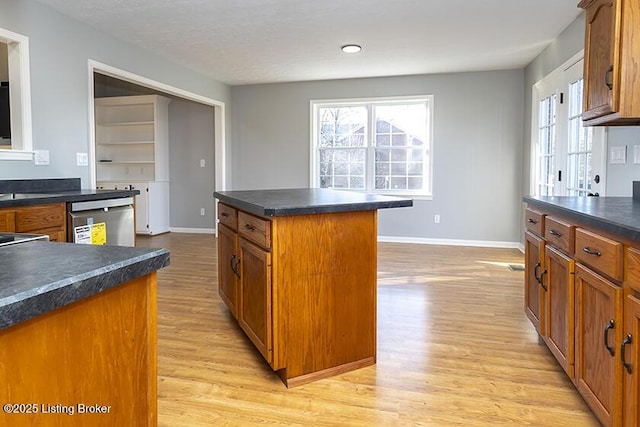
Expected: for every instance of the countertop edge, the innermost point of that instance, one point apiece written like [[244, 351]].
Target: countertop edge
[[625, 230], [68, 198], [35, 302], [269, 211]]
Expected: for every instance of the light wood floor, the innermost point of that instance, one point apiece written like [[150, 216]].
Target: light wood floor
[[454, 348]]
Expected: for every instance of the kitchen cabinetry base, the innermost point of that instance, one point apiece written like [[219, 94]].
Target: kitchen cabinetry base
[[325, 373]]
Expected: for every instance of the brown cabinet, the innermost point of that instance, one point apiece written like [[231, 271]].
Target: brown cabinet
[[534, 292], [228, 274], [598, 338], [254, 313], [7, 220], [302, 287], [590, 291], [611, 62], [559, 307], [631, 360], [40, 219]]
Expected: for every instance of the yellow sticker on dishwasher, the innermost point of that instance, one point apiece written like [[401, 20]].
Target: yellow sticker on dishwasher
[[99, 234]]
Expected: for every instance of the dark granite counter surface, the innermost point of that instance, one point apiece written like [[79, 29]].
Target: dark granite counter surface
[[616, 215], [26, 192], [37, 277], [27, 199], [301, 201]]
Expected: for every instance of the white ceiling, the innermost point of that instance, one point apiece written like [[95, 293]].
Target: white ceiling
[[263, 41]]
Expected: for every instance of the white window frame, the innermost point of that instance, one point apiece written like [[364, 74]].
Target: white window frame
[[19, 95], [426, 194]]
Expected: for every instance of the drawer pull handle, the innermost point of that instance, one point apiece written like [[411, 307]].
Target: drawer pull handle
[[542, 281], [532, 221], [627, 366], [535, 273], [249, 227], [590, 251], [607, 77], [607, 328], [555, 233], [224, 214], [234, 265]]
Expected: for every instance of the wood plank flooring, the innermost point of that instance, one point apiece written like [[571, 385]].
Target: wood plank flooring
[[454, 348]]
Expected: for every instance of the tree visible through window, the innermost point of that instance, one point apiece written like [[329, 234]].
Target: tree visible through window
[[377, 146]]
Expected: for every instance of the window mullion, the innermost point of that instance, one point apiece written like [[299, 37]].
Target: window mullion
[[370, 143]]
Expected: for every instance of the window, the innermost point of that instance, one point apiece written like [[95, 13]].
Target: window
[[568, 158], [19, 147], [376, 145]]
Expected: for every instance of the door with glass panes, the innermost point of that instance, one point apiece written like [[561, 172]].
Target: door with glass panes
[[568, 158]]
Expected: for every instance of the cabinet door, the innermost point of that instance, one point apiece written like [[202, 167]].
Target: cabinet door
[[8, 221], [599, 59], [632, 357], [142, 208], [559, 307], [228, 272], [533, 290], [254, 314], [598, 339]]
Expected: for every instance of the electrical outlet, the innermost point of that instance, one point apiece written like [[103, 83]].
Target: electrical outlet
[[82, 159], [436, 219], [201, 211], [202, 163], [41, 157]]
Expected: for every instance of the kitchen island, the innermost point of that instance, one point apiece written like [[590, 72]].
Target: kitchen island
[[78, 334], [297, 269]]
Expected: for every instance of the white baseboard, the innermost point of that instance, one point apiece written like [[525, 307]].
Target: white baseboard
[[192, 230], [451, 242]]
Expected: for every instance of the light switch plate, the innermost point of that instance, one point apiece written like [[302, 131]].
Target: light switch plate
[[41, 157], [82, 159], [618, 154], [636, 154]]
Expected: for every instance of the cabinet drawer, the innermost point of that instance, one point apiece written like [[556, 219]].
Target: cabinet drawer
[[560, 234], [228, 216], [40, 217], [600, 253], [7, 221], [256, 229], [534, 221]]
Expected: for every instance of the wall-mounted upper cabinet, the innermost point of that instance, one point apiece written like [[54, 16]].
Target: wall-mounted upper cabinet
[[611, 62]]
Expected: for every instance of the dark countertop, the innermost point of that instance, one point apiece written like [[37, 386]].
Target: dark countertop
[[300, 201], [25, 192], [37, 277], [27, 199], [616, 215]]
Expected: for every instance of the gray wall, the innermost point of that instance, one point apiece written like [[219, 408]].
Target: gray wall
[[477, 148], [4, 63], [621, 176], [59, 50], [191, 129]]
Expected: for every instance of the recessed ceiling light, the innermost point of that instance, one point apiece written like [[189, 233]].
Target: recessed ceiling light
[[351, 48]]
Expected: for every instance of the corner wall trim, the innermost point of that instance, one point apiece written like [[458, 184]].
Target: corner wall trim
[[450, 242]]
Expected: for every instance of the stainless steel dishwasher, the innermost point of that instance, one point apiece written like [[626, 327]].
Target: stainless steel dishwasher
[[112, 217]]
